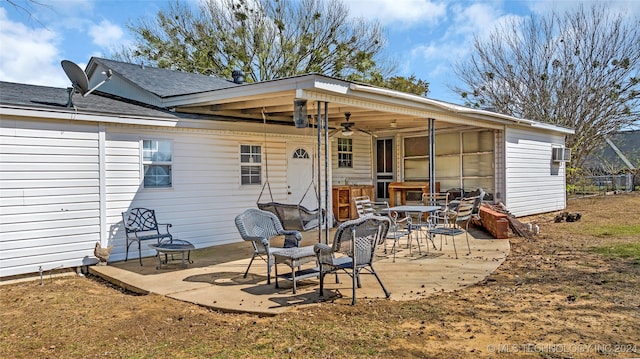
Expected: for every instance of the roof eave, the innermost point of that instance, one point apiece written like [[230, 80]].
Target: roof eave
[[474, 113], [265, 88], [51, 114]]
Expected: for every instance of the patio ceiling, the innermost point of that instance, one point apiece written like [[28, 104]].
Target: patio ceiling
[[372, 109]]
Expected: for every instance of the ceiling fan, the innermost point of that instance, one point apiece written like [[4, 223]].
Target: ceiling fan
[[347, 128]]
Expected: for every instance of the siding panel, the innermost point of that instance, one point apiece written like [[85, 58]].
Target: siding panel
[[362, 170], [206, 194], [534, 183], [49, 186]]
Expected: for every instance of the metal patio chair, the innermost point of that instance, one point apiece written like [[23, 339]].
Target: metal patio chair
[[400, 227], [140, 224], [445, 225]]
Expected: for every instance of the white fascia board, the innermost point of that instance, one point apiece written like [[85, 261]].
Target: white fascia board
[[475, 113], [546, 126], [397, 106], [330, 84], [259, 89], [362, 101], [78, 116]]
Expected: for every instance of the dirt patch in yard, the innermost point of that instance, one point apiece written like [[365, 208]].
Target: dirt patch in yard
[[555, 296]]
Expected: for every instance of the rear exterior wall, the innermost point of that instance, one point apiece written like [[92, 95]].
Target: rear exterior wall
[[64, 185], [534, 183]]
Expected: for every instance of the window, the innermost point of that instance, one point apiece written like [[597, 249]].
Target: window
[[478, 160], [301, 153], [345, 153], [447, 160], [416, 158], [250, 164], [156, 162], [462, 159]]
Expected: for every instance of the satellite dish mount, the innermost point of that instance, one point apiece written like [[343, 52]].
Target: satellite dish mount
[[79, 80]]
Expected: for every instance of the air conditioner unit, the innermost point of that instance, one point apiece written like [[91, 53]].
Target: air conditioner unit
[[561, 154]]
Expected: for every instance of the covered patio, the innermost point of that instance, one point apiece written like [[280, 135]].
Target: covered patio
[[215, 279], [375, 137]]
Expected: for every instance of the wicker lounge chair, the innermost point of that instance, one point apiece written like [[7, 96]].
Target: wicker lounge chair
[[357, 241], [259, 227]]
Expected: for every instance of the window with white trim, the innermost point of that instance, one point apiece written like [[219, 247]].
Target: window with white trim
[[345, 153], [250, 164], [157, 159]]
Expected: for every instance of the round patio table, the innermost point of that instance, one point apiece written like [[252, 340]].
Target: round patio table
[[172, 247]]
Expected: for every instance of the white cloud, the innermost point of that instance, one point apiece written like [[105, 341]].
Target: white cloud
[[29, 55], [463, 23], [398, 12], [478, 19], [439, 57], [106, 34]]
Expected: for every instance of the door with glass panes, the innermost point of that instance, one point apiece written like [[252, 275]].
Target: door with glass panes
[[384, 167]]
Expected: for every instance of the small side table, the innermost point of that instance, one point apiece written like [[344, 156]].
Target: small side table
[[294, 258], [172, 247]]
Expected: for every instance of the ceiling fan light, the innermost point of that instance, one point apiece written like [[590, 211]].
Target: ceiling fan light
[[347, 132]]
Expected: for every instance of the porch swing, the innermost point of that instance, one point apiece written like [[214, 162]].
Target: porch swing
[[291, 216]]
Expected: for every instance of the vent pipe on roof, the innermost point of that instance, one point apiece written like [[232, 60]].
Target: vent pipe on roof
[[238, 76]]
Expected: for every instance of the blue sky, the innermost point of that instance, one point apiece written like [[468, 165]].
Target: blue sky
[[424, 37]]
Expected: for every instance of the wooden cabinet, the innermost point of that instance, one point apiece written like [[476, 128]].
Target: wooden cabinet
[[404, 187], [343, 206]]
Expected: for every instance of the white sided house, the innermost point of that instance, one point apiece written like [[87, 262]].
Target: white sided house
[[200, 149]]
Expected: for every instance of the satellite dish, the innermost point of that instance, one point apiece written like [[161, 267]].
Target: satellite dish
[[77, 76], [79, 80]]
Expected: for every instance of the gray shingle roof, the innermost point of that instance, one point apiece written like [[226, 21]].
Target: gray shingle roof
[[56, 99], [165, 82]]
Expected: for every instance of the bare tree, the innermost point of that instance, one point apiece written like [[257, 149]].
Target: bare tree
[[27, 7], [577, 69]]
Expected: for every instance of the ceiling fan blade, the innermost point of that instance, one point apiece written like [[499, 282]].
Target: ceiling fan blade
[[366, 132], [335, 132]]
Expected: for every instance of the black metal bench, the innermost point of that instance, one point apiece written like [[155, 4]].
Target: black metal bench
[[140, 224]]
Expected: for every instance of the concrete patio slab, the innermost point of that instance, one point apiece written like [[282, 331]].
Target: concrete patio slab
[[216, 280]]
